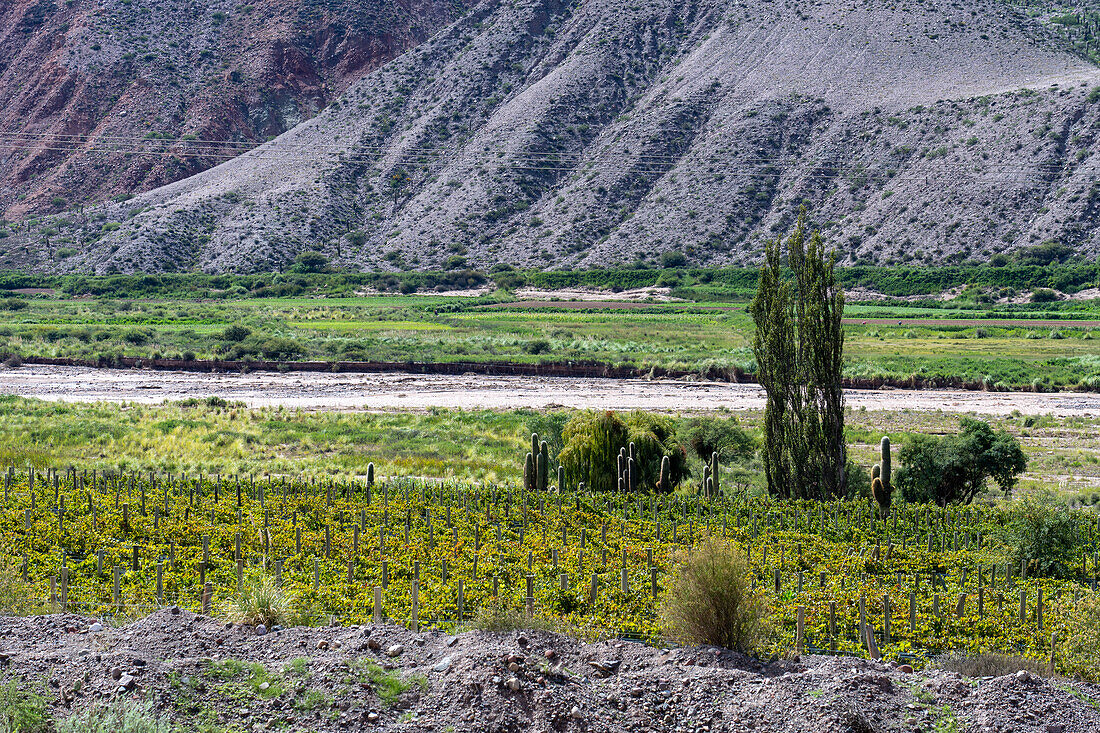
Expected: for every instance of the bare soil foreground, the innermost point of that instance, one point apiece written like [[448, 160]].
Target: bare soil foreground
[[330, 679], [324, 390]]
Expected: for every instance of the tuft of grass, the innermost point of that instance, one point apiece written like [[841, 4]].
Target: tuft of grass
[[260, 601], [298, 666], [22, 711], [498, 618], [986, 664], [388, 685], [121, 716], [17, 598], [312, 700], [709, 599]]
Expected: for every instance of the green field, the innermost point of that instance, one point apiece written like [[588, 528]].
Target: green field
[[1057, 347]]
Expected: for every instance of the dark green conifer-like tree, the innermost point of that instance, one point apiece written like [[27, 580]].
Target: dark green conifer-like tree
[[799, 349]]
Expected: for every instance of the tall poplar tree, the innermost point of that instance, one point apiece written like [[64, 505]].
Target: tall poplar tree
[[799, 349]]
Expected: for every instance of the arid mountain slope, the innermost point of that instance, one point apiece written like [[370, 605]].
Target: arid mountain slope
[[120, 76], [537, 132]]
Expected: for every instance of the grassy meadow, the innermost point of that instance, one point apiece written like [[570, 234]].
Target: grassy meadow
[[227, 438], [1054, 348]]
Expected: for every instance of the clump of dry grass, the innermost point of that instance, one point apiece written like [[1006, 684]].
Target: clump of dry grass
[[17, 598], [498, 617], [260, 601], [987, 664], [709, 599]]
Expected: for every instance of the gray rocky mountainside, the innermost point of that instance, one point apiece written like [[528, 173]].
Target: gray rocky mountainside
[[542, 133], [96, 96]]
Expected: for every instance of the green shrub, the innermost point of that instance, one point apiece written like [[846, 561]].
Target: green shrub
[[591, 442], [22, 711], [236, 333], [709, 599], [277, 348], [707, 435], [1043, 295], [549, 427], [121, 716], [1042, 535], [537, 346], [954, 468]]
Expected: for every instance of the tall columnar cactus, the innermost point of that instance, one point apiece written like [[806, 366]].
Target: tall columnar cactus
[[529, 472], [534, 444], [881, 489], [631, 475], [884, 462], [714, 474], [561, 477], [370, 474], [544, 466], [706, 479], [664, 481], [631, 454]]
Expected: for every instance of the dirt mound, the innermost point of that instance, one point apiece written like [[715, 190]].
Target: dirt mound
[[196, 669]]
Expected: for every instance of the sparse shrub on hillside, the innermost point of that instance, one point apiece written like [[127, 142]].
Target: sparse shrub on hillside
[[673, 258], [310, 262], [1043, 295], [709, 599], [1046, 253]]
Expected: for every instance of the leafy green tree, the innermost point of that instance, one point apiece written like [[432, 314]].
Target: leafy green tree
[[592, 440], [672, 258], [774, 348], [799, 349], [708, 435], [1043, 536], [309, 262], [954, 469]]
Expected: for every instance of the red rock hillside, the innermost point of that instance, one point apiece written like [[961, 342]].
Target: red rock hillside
[[95, 95]]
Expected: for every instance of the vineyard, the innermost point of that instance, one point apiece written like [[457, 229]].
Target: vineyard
[[432, 554]]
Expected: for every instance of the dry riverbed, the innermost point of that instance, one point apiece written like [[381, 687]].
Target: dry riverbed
[[343, 391]]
